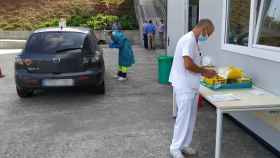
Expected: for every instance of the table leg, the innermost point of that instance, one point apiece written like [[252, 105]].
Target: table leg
[[174, 105], [219, 133]]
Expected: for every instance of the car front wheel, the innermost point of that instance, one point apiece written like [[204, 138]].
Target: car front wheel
[[24, 92]]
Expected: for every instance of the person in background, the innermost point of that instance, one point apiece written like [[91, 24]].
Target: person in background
[[161, 31], [126, 55], [185, 78], [145, 34], [116, 26], [151, 31]]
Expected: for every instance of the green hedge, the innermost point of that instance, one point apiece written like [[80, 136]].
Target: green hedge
[[51, 23], [98, 22], [101, 21], [128, 22]]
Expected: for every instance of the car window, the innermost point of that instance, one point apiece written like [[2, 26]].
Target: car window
[[51, 42]]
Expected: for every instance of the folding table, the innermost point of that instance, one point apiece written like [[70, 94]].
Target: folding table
[[249, 101]]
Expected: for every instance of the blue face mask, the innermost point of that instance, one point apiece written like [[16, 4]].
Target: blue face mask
[[202, 39]]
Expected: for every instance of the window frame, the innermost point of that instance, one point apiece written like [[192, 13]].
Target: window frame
[[253, 49]]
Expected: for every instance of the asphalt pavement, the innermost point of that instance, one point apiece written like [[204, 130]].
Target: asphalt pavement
[[133, 120]]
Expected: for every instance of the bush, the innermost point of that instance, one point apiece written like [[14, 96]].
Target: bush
[[50, 23], [77, 20], [101, 21], [97, 22], [128, 22], [77, 12]]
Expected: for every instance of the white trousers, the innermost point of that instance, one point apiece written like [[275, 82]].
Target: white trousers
[[185, 120]]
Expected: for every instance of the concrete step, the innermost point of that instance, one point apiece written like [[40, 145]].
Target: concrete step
[[12, 44], [15, 35]]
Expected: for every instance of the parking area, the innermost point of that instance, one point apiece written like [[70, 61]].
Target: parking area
[[133, 120]]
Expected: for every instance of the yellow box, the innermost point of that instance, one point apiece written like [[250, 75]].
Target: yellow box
[[214, 80]]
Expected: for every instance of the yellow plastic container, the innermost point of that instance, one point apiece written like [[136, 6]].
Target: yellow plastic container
[[214, 80], [244, 79], [234, 73]]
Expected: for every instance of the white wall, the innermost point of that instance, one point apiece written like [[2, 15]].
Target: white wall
[[265, 73], [176, 22]]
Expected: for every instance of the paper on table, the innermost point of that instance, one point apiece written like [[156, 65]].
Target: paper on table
[[222, 98], [258, 92]]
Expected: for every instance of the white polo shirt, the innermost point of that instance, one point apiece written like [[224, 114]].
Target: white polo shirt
[[181, 78]]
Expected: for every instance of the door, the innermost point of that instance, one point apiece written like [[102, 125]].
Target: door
[[177, 22]]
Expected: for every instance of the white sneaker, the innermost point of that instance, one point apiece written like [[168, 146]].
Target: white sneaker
[[189, 151], [122, 79], [176, 153]]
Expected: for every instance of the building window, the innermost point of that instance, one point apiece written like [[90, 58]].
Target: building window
[[268, 23], [252, 27], [238, 22], [193, 13]]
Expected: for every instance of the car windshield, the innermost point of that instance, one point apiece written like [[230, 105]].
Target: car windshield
[[54, 42]]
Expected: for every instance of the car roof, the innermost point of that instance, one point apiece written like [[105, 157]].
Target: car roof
[[66, 29]]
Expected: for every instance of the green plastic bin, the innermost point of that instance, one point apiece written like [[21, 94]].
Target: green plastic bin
[[164, 67]]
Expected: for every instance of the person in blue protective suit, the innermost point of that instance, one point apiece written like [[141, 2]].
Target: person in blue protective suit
[[126, 55]]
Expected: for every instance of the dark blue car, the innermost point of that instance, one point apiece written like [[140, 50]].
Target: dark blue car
[[60, 57]]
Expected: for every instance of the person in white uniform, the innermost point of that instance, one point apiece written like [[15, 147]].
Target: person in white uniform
[[185, 78]]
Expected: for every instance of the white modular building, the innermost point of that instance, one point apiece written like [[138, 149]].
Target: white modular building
[[247, 35]]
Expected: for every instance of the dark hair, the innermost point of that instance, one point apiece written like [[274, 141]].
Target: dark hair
[[150, 21]]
